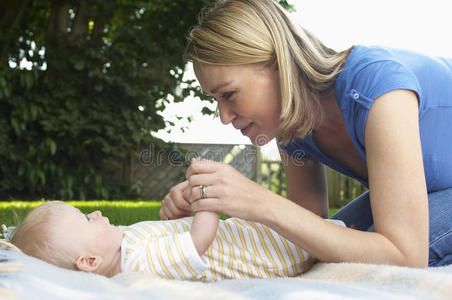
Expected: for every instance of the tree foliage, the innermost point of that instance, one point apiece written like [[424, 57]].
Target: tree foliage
[[81, 87]]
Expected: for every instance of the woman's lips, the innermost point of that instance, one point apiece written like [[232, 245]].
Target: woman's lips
[[246, 130]]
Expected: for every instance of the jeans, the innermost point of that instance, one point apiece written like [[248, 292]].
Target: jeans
[[358, 215]]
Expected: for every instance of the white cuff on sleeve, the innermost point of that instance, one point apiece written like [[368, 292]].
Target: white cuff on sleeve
[[337, 222], [190, 252]]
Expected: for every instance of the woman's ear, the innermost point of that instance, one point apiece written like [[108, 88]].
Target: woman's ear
[[88, 263]]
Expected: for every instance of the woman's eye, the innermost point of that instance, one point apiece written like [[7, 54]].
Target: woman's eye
[[226, 96]]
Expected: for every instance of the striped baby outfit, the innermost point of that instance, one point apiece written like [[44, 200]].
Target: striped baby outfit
[[241, 249]]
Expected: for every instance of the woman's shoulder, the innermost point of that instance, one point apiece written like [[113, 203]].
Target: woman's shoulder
[[369, 59], [371, 71], [363, 56], [361, 53]]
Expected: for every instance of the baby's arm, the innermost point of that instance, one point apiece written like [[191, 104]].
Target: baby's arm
[[204, 229]]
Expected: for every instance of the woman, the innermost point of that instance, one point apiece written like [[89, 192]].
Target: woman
[[379, 115]]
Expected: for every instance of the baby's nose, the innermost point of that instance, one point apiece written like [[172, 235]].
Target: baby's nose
[[95, 214]]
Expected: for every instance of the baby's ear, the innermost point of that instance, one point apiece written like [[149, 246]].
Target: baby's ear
[[88, 263]]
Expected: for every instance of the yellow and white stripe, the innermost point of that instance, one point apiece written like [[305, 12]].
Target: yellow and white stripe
[[241, 249]]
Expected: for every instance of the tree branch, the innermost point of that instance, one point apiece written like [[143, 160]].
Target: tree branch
[[80, 25], [59, 18], [62, 18]]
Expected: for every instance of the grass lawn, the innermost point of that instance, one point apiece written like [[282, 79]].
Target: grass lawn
[[119, 212], [333, 211]]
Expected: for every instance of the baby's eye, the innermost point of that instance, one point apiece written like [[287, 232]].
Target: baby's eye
[[87, 218]]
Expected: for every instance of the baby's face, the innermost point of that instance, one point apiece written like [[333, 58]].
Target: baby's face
[[90, 233]]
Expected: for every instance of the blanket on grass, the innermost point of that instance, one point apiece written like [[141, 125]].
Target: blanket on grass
[[24, 277]]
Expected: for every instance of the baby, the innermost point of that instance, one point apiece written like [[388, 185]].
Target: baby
[[197, 248]]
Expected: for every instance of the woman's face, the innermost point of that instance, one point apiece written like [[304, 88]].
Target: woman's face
[[248, 96]]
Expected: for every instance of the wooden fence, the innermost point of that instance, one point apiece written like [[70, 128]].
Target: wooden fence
[[152, 173], [341, 189]]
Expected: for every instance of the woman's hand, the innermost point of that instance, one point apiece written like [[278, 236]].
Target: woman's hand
[[176, 203], [227, 191]]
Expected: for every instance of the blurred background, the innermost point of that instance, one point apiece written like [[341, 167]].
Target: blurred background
[[96, 101]]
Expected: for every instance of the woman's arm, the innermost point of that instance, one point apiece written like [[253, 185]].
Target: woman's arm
[[396, 176], [398, 195], [306, 183]]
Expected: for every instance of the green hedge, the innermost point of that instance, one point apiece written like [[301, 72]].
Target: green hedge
[[97, 77], [90, 96]]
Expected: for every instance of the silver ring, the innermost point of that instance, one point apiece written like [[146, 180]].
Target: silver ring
[[202, 191]]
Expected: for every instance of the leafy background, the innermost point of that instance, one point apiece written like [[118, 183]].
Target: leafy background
[[97, 74]]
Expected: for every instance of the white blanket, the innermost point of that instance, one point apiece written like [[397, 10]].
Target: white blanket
[[24, 277]]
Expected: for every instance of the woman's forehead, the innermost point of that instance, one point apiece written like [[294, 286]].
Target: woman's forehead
[[209, 76], [213, 77]]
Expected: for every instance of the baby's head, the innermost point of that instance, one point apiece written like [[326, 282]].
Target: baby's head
[[62, 235]]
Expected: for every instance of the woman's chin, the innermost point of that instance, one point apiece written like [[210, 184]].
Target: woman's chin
[[260, 139]]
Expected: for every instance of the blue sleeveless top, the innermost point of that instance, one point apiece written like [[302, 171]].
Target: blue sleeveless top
[[370, 72]]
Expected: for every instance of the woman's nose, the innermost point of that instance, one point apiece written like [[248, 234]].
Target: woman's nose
[[226, 114]]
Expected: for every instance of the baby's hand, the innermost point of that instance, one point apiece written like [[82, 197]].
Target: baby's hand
[[176, 203]]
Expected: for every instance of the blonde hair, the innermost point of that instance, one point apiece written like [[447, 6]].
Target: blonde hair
[[36, 236], [237, 32]]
